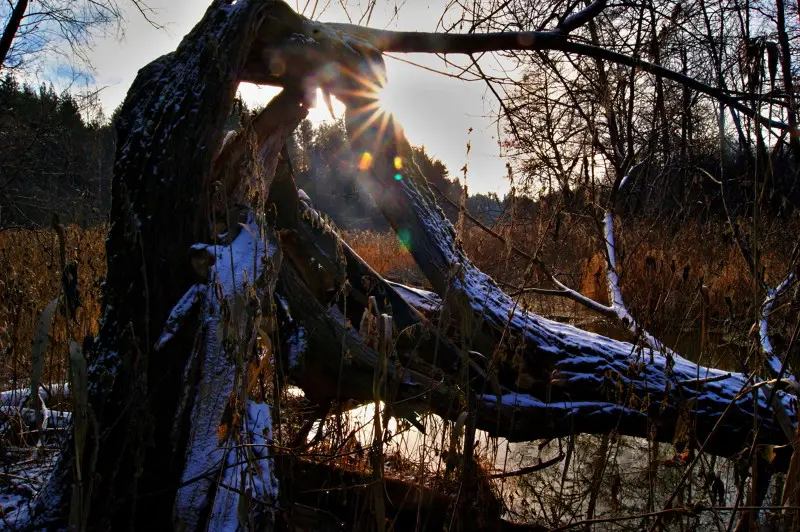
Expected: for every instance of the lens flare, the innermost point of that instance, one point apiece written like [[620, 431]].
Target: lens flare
[[365, 162], [404, 239], [373, 106]]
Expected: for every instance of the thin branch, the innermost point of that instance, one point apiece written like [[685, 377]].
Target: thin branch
[[576, 20], [614, 291], [442, 43], [146, 11], [530, 469], [773, 362]]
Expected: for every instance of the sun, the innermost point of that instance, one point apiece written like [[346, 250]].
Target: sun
[[390, 100], [378, 104]]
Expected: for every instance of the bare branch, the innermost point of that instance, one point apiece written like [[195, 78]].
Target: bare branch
[[438, 43], [773, 362], [616, 310], [576, 20], [530, 469]]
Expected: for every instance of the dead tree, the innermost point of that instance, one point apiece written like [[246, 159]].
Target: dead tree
[[203, 235]]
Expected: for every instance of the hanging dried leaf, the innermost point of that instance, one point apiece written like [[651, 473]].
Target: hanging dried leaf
[[772, 61], [41, 340]]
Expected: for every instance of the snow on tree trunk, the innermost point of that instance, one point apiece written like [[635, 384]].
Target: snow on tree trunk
[[169, 130], [566, 379], [228, 465], [602, 372]]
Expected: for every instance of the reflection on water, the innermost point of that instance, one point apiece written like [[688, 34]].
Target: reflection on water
[[613, 475], [601, 475]]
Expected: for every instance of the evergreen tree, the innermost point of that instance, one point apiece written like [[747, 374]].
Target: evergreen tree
[[51, 160]]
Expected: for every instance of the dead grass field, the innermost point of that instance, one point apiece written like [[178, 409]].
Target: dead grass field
[[662, 277], [30, 279], [382, 251]]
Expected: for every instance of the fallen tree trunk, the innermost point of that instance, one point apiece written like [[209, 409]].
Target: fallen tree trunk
[[526, 417], [607, 385], [562, 380], [159, 422]]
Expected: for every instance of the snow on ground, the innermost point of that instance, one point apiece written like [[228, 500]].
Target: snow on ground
[[23, 471]]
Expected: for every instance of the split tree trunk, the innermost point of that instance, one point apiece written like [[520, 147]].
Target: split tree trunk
[[519, 375], [163, 201]]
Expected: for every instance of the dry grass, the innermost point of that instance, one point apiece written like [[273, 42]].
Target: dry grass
[[384, 252], [662, 272], [656, 261], [29, 260], [670, 273]]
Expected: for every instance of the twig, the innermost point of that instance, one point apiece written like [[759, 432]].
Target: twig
[[772, 361], [530, 469], [449, 43]]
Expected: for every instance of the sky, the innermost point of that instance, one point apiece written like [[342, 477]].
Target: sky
[[435, 110]]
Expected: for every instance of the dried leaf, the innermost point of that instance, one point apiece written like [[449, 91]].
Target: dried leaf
[[222, 433], [41, 340], [772, 61], [768, 453]]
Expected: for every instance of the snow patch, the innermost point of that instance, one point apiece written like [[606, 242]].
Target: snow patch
[[418, 298], [179, 313], [297, 347], [243, 463]]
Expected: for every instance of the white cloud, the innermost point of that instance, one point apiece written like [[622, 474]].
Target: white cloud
[[435, 110]]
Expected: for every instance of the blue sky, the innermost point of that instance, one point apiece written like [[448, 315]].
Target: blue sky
[[435, 110]]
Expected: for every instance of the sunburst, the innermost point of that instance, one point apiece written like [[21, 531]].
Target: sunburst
[[376, 103]]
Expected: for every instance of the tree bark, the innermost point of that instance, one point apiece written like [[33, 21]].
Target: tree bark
[[160, 367], [170, 127]]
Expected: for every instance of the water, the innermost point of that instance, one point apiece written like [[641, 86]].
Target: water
[[614, 475]]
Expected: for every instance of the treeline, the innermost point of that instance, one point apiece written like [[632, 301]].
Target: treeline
[[52, 160], [327, 170], [576, 125]]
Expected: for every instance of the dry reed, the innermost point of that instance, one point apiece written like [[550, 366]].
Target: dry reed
[[30, 266]]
